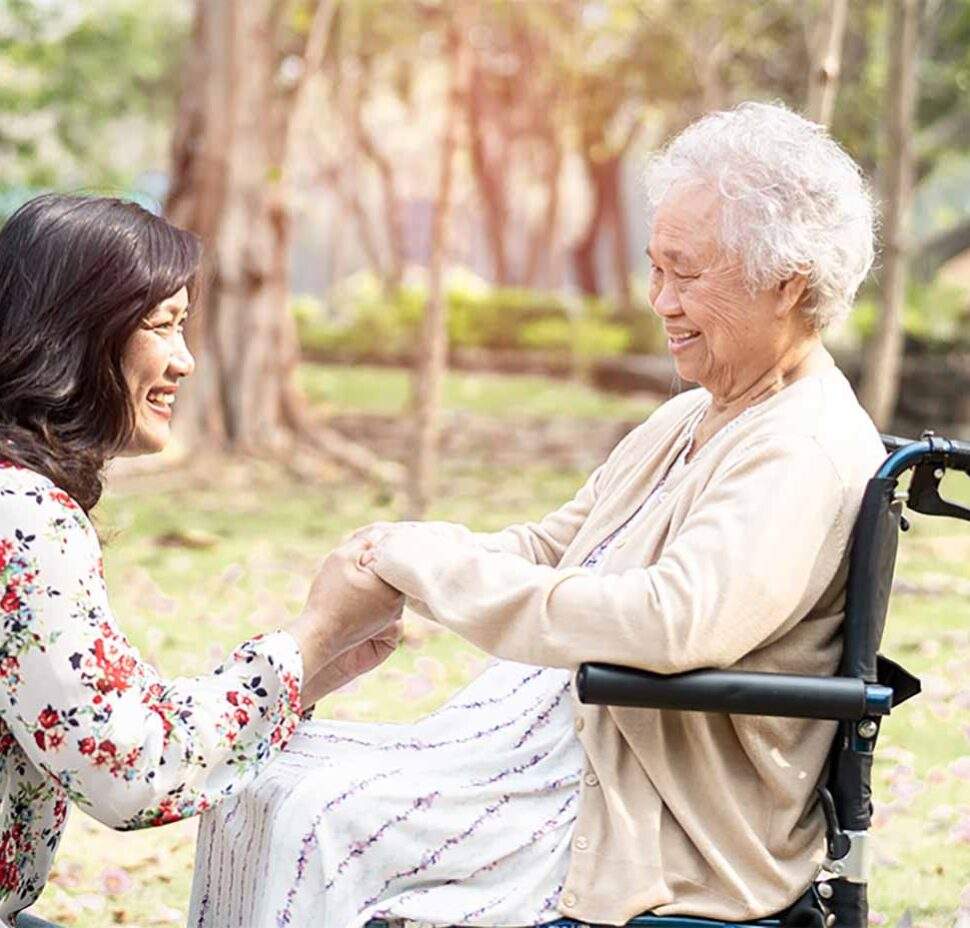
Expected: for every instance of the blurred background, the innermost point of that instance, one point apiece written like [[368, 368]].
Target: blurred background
[[425, 295]]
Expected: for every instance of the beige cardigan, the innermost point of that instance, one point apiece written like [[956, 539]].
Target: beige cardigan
[[741, 563]]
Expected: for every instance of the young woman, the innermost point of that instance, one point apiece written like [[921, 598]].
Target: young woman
[[94, 294]]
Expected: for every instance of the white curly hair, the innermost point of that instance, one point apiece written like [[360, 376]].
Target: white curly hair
[[792, 200]]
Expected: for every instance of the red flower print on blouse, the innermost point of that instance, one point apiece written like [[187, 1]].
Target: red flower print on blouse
[[116, 674], [9, 877], [59, 496], [79, 704]]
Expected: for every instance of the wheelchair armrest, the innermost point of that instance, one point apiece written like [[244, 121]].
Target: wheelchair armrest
[[734, 692]]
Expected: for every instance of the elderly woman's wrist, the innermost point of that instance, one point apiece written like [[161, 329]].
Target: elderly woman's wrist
[[310, 631]]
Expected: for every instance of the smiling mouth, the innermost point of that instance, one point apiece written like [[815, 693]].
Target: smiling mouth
[[682, 339], [161, 402]]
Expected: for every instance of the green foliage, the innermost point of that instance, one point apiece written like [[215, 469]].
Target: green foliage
[[86, 87], [363, 322], [586, 339], [936, 313], [386, 391]]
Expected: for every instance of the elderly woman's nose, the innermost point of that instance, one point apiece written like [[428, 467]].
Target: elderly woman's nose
[[666, 302]]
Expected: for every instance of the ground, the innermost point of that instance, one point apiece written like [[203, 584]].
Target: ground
[[197, 559]]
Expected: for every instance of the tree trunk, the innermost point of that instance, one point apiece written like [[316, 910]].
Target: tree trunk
[[432, 351], [880, 383], [544, 235], [393, 213], [607, 210], [584, 251], [488, 179], [232, 157], [621, 241], [221, 190], [823, 81]]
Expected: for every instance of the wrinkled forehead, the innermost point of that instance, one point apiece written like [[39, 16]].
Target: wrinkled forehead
[[686, 223]]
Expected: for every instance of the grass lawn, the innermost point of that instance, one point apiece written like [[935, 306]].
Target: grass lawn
[[385, 390], [253, 536]]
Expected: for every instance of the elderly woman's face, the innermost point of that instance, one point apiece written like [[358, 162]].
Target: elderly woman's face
[[720, 335]]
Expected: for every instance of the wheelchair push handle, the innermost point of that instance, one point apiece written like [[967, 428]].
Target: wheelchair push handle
[[734, 693], [906, 452]]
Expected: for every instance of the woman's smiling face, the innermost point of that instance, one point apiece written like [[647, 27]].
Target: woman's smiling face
[[155, 360], [721, 335]]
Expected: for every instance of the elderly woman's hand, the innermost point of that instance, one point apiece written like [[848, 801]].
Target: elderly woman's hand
[[361, 659], [348, 606]]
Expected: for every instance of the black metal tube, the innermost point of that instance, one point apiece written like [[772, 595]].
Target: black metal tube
[[733, 692]]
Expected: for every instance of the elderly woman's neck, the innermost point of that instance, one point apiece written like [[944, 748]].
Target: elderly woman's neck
[[803, 358]]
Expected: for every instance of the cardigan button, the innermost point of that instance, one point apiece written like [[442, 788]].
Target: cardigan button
[[581, 843], [579, 724], [591, 779], [569, 900]]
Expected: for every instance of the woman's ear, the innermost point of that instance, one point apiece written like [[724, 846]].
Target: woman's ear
[[790, 294]]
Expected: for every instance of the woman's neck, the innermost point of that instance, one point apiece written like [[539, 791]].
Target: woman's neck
[[808, 357]]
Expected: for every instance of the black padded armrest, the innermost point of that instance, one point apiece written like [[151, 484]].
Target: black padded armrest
[[734, 692]]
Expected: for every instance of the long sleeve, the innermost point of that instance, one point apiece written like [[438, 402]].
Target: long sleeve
[[129, 747], [756, 550]]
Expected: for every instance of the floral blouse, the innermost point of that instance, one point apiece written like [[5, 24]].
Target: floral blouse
[[84, 719]]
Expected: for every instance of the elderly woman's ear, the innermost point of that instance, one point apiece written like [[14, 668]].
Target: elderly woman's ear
[[791, 294]]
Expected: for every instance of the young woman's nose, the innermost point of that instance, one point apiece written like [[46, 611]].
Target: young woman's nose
[[182, 360]]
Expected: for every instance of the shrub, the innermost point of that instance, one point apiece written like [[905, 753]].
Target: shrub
[[361, 321]]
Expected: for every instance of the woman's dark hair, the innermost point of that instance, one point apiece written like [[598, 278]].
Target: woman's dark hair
[[77, 277]]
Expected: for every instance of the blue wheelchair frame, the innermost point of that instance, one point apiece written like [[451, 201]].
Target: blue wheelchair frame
[[866, 689]]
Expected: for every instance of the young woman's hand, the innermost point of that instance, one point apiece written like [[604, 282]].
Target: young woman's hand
[[348, 606]]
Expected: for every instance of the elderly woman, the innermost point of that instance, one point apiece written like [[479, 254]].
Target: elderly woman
[[715, 535]]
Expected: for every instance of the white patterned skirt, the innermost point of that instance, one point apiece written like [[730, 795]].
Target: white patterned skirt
[[462, 818]]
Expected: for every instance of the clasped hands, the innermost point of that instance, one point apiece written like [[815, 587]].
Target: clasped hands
[[351, 622]]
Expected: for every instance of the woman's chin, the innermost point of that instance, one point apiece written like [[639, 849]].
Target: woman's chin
[[685, 370], [146, 441]]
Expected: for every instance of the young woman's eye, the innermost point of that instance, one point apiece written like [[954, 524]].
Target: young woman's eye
[[169, 325]]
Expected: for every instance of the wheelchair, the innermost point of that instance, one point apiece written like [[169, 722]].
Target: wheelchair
[[868, 686]]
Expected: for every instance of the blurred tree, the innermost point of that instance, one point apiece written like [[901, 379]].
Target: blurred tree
[[432, 353], [233, 153], [823, 80], [515, 147], [880, 383], [371, 72]]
